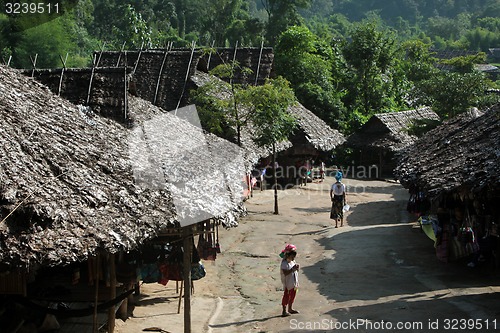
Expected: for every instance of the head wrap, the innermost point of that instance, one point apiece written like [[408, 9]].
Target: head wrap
[[288, 248], [339, 176]]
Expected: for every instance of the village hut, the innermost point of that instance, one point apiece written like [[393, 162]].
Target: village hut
[[383, 136], [455, 171], [76, 187], [312, 141]]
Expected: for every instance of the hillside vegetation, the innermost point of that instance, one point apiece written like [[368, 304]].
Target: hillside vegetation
[[344, 59]]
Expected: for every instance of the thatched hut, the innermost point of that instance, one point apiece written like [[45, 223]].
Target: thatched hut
[[76, 187], [312, 139], [383, 135], [462, 153], [456, 169]]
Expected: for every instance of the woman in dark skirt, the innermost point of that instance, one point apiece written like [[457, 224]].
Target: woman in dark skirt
[[338, 196]]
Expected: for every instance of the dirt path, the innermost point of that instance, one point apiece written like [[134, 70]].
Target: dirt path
[[376, 272]]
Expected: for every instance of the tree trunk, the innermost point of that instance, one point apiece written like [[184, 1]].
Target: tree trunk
[[276, 211]]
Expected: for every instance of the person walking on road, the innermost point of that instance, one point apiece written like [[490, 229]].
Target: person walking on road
[[338, 197], [290, 279]]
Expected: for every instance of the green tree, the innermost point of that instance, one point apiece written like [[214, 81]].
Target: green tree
[[47, 42], [271, 121], [369, 55], [281, 15], [218, 102], [309, 64], [451, 93]]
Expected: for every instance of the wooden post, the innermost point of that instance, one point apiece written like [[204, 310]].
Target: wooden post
[[180, 298], [188, 234], [381, 167], [125, 94], [123, 310], [250, 186], [112, 292], [275, 185]]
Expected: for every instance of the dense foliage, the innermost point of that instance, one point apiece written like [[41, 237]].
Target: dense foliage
[[344, 59]]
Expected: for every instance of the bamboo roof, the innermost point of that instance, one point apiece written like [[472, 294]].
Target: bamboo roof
[[66, 181], [464, 152], [389, 130]]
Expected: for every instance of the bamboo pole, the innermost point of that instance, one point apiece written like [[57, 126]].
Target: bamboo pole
[[258, 64], [94, 65], [210, 55], [120, 55], [62, 73], [138, 58], [33, 62], [169, 48], [193, 45]]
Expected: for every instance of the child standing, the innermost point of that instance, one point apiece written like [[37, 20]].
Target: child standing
[[290, 278]]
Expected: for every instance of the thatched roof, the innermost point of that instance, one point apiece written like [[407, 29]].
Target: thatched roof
[[204, 173], [66, 180], [316, 131], [388, 131], [72, 182], [463, 152]]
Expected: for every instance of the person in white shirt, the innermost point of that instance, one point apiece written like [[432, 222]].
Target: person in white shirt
[[338, 197], [290, 279]]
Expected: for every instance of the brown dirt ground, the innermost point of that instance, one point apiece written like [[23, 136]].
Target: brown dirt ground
[[379, 269]]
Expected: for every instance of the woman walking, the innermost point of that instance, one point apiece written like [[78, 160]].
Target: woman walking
[[338, 197]]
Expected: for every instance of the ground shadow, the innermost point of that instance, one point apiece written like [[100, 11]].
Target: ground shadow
[[381, 261], [240, 323]]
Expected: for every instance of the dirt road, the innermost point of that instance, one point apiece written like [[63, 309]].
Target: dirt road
[[377, 273]]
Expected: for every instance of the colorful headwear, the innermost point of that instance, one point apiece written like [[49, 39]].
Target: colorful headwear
[[288, 248], [339, 176]]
